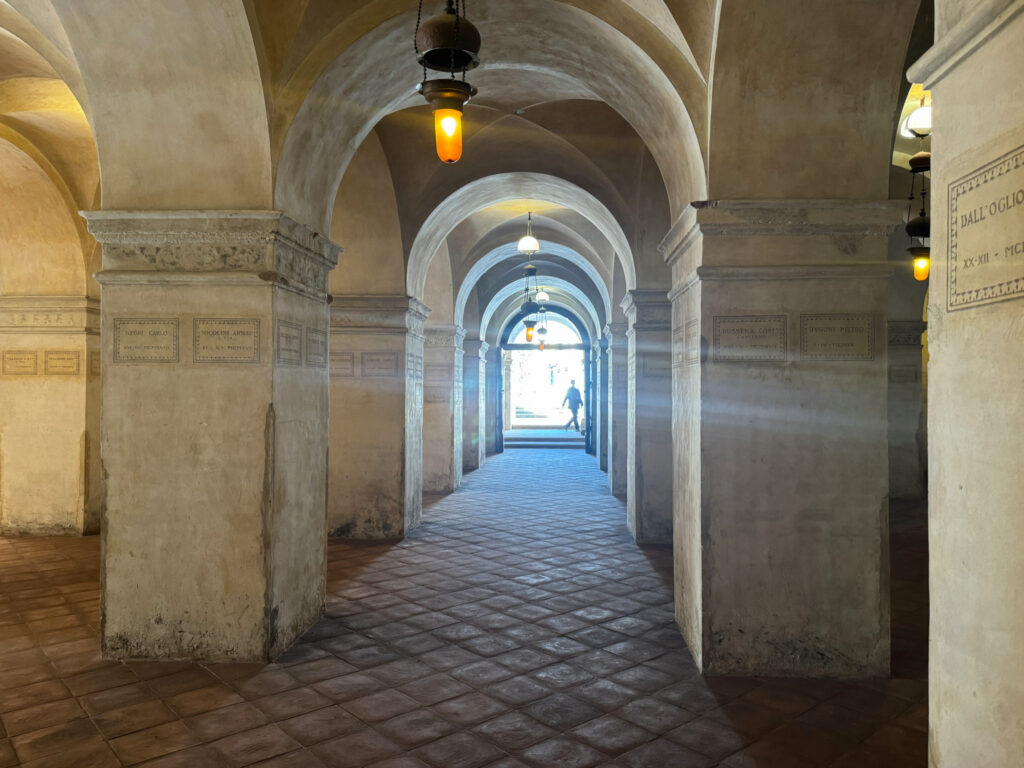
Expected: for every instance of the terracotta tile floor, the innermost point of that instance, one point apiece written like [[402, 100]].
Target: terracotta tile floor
[[519, 626]]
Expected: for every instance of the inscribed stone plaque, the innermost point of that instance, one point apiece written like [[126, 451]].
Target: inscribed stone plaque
[[289, 343], [226, 340], [691, 338], [62, 362], [380, 364], [437, 375], [657, 367], [343, 364], [837, 337], [94, 363], [986, 233], [902, 374], [20, 362], [750, 338], [145, 339], [316, 348]]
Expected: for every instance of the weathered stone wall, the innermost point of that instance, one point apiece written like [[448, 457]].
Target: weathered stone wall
[[975, 384]]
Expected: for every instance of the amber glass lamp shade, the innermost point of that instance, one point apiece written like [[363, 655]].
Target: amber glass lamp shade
[[529, 334], [922, 262], [448, 134]]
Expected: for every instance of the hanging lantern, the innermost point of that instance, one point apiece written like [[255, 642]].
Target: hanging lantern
[[922, 261], [447, 43], [530, 324], [528, 243]]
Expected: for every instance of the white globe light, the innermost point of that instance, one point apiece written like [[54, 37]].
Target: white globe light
[[919, 122], [528, 244], [542, 296]]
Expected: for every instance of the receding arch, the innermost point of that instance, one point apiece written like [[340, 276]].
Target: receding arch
[[509, 251], [511, 186], [348, 98], [556, 284]]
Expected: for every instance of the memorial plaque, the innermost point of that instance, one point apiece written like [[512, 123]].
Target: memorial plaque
[[380, 364], [749, 339], [691, 338], [226, 340], [94, 363], [145, 339], [62, 362], [20, 362], [316, 348], [902, 374], [437, 375], [657, 368], [986, 234], [837, 337], [289, 343], [343, 364]]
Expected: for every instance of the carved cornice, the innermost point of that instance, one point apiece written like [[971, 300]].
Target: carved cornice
[[806, 218], [647, 310], [615, 335], [906, 333], [475, 348], [983, 21], [378, 314], [49, 314], [265, 243], [450, 336]]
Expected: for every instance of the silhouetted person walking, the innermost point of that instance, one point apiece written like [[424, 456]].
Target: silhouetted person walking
[[575, 400]]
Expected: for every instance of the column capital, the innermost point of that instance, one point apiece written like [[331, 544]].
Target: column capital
[[147, 247], [377, 314], [444, 336], [615, 336], [906, 333], [750, 218], [647, 310], [475, 348]]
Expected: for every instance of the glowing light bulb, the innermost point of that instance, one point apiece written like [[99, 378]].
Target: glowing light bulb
[[529, 334], [448, 134], [921, 265]]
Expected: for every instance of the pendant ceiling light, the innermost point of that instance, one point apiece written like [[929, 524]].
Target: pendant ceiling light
[[528, 243], [529, 306], [447, 43], [920, 227]]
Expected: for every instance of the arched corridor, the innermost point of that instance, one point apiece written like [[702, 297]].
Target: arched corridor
[[518, 625]]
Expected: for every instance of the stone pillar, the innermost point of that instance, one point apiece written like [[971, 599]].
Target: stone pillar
[[375, 487], [649, 425], [617, 357], [907, 437], [779, 431], [506, 389], [50, 475], [492, 395], [474, 404], [601, 415], [975, 384], [442, 408], [214, 435]]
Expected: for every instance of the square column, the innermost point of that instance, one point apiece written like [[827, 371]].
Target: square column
[[375, 486], [442, 408], [492, 394], [975, 384], [51, 480], [617, 358], [907, 438], [214, 433], [649, 437], [601, 417], [474, 404], [779, 434]]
